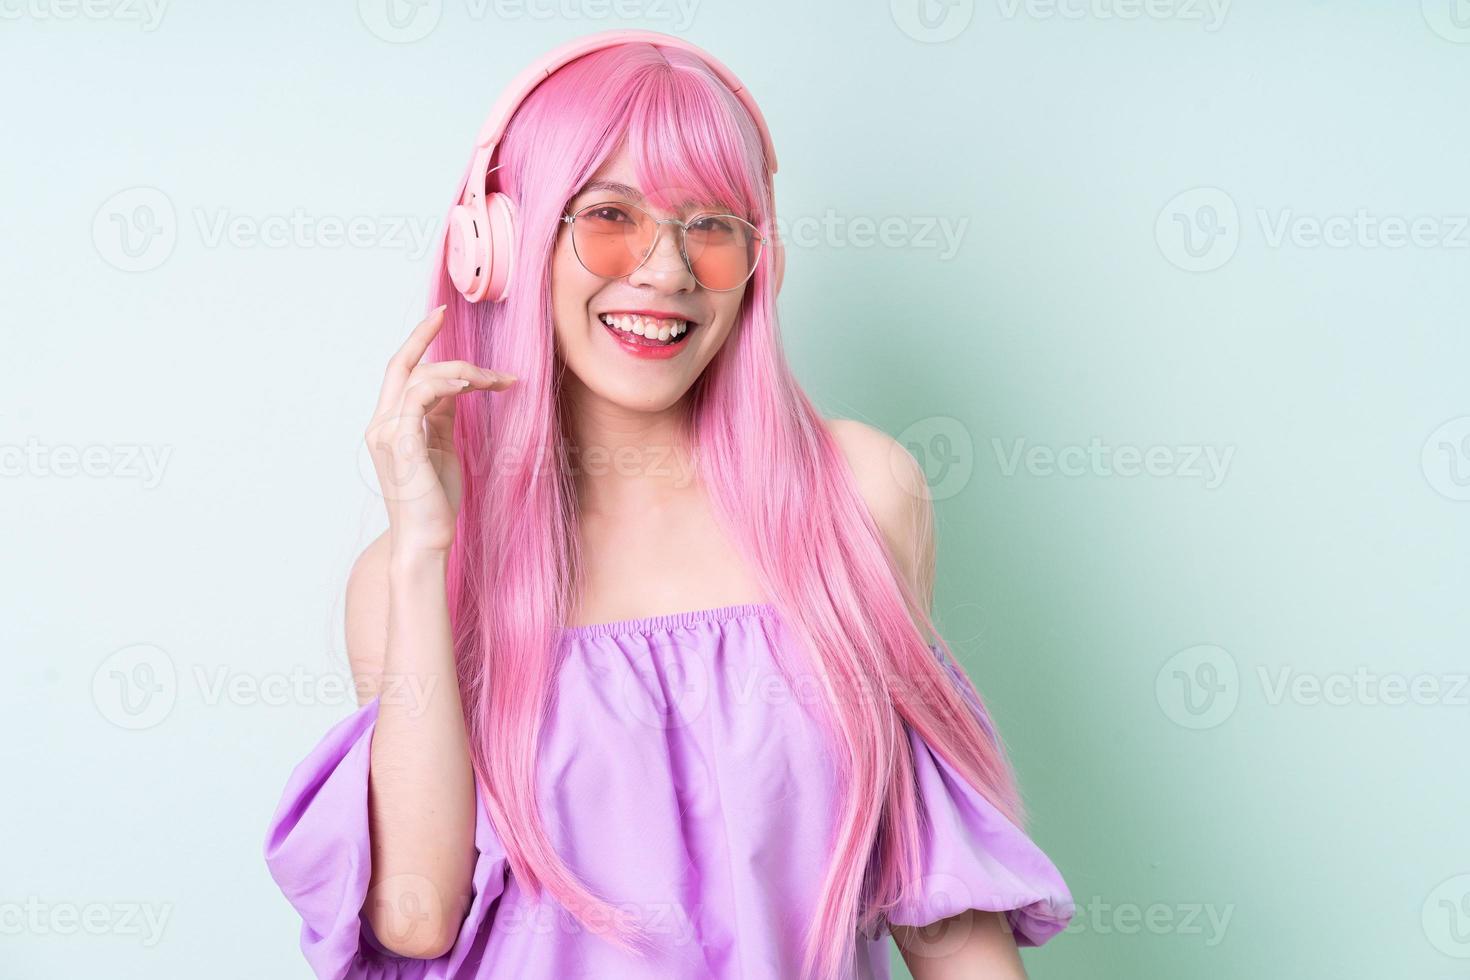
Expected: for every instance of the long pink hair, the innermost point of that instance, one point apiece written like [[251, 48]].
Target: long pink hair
[[779, 485]]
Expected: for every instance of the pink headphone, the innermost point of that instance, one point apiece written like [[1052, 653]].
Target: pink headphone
[[481, 227]]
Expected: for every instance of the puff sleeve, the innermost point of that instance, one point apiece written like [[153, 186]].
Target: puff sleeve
[[318, 852], [972, 856]]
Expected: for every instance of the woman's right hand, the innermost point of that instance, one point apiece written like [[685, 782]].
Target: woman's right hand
[[411, 440]]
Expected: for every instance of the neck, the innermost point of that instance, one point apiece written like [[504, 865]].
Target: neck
[[622, 457]]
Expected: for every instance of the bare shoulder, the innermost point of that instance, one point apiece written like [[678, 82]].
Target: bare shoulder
[[893, 485], [367, 616], [889, 477]]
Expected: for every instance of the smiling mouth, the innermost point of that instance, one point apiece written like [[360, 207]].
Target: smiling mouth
[[647, 331]]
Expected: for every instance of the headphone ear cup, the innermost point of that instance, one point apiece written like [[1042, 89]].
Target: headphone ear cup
[[467, 251], [501, 221]]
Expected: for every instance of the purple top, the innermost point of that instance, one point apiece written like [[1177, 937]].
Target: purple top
[[684, 780]]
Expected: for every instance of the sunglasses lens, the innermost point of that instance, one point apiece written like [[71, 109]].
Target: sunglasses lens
[[611, 239], [722, 250]]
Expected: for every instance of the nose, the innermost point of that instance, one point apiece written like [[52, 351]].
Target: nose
[[665, 268]]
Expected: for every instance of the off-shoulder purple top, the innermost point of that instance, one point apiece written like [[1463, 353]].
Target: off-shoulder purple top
[[682, 778]]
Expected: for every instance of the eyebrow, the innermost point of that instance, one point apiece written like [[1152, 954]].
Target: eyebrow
[[632, 195], [611, 185]]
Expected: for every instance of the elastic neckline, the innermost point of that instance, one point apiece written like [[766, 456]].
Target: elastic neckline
[[669, 621]]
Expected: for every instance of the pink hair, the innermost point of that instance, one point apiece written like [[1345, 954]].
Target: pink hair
[[779, 485]]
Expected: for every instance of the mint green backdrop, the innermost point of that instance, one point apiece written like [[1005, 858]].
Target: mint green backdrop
[[1168, 296]]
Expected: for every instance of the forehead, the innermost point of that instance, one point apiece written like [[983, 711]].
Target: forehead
[[626, 191], [617, 179]]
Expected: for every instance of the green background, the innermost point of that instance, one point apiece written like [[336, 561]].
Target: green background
[[1115, 185]]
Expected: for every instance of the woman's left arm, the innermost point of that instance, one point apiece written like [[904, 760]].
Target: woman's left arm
[[973, 945]]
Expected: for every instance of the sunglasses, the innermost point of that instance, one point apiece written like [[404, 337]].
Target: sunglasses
[[613, 239]]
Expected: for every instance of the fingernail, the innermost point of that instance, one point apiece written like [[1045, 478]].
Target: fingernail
[[438, 309]]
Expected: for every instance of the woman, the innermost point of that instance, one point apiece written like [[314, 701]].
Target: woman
[[647, 683]]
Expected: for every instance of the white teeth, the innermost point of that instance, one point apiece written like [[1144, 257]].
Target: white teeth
[[645, 326]]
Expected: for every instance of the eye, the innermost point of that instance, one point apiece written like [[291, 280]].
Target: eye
[[607, 213], [713, 224]]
